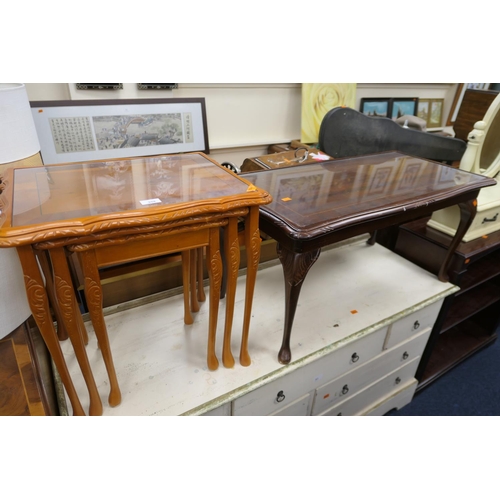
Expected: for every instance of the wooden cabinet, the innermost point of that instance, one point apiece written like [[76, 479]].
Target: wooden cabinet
[[360, 377], [469, 318]]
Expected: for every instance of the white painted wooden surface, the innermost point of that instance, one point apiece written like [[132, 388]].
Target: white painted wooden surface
[[160, 362]]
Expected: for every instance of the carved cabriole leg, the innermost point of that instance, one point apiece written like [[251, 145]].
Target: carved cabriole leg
[[40, 309], [62, 334], [186, 260], [252, 243], [69, 311], [214, 265], [232, 255], [295, 268], [468, 211], [93, 294], [195, 307], [201, 289]]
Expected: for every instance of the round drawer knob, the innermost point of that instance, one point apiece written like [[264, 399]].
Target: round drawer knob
[[416, 325], [280, 397], [345, 389], [354, 357], [339, 414], [398, 381], [405, 355]]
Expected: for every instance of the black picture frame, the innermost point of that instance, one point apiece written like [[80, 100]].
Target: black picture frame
[[375, 106], [76, 122], [401, 106], [99, 86]]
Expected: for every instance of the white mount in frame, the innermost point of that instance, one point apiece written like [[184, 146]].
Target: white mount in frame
[[75, 131]]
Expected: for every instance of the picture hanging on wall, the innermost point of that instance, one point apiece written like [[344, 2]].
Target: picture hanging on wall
[[378, 106], [386, 107], [431, 110], [402, 106], [71, 131]]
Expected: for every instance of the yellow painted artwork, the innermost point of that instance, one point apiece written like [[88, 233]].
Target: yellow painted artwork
[[317, 100]]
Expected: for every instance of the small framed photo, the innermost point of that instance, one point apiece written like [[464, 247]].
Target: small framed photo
[[431, 110], [375, 107], [403, 106], [423, 109], [435, 113]]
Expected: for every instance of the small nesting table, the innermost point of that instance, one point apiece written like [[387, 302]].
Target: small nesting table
[[318, 205], [117, 211]]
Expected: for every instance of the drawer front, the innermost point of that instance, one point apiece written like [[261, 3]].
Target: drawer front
[[381, 389], [414, 323], [299, 408], [356, 380], [278, 393], [395, 401]]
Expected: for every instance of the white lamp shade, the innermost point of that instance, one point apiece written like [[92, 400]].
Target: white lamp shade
[[14, 308], [18, 140], [18, 136]]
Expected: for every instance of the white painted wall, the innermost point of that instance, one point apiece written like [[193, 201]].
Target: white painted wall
[[243, 119]]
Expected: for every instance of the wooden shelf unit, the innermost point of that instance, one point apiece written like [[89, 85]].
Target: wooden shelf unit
[[469, 318]]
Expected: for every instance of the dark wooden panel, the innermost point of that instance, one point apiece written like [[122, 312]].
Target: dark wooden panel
[[473, 108], [453, 347]]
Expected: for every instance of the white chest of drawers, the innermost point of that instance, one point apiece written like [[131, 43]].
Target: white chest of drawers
[[362, 322]]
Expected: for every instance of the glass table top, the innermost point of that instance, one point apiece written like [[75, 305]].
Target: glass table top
[[62, 192], [310, 195]]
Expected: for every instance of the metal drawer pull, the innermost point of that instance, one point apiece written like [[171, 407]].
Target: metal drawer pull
[[345, 389], [493, 219], [280, 397], [354, 357], [398, 381], [405, 355], [416, 325]]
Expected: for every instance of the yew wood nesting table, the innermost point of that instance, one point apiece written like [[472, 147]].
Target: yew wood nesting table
[[317, 205], [116, 211]]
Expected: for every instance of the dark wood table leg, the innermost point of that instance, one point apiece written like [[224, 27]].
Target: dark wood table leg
[[295, 268], [468, 211]]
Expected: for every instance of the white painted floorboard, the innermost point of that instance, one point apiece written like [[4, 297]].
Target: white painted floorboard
[[160, 362]]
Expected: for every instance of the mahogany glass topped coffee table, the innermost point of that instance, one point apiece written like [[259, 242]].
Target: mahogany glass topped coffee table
[[317, 205]]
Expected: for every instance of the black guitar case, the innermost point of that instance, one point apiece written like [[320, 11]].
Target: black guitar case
[[346, 132]]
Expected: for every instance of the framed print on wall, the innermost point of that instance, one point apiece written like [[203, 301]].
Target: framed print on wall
[[436, 113], [377, 106], [431, 110], [403, 106], [86, 130], [423, 109]]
